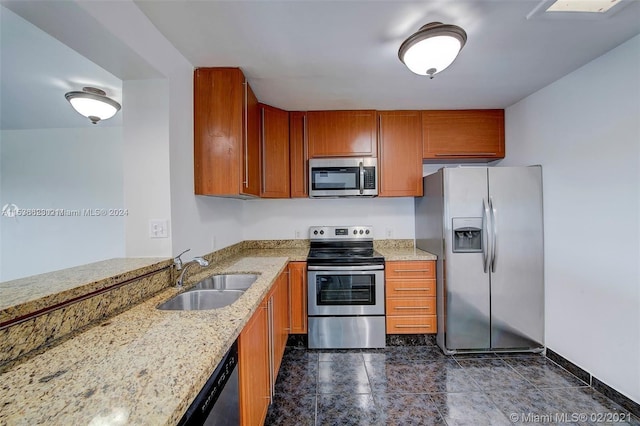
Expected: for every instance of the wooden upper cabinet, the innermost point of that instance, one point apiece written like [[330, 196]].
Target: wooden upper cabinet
[[298, 154], [274, 148], [341, 133], [226, 130], [400, 153], [463, 134]]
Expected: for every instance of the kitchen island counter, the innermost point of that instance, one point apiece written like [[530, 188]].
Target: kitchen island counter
[[143, 366]]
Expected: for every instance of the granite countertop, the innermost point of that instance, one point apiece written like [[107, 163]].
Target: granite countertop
[[404, 253], [145, 366], [24, 295]]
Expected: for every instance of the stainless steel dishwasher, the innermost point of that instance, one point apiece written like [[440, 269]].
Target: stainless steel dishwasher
[[217, 403]]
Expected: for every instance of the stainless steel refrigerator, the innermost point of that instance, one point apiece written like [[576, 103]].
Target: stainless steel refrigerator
[[485, 226]]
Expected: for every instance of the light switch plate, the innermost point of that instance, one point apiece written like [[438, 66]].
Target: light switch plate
[[158, 228]]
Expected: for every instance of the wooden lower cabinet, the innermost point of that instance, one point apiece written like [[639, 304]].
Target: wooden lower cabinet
[[253, 368], [298, 297], [261, 347], [410, 288], [279, 299]]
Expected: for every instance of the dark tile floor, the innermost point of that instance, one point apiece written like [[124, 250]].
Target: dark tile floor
[[418, 385]]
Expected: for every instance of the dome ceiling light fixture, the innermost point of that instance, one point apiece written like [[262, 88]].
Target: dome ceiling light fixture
[[93, 103], [433, 48]]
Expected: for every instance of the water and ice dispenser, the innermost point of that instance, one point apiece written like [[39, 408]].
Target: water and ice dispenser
[[467, 234]]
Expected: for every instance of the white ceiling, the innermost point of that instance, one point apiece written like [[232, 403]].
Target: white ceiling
[[37, 70], [298, 55], [304, 55]]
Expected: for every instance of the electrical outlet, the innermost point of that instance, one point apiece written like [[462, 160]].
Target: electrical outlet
[[297, 234], [214, 242], [158, 228], [389, 233]]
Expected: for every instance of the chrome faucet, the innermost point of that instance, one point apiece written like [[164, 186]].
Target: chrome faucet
[[199, 260]]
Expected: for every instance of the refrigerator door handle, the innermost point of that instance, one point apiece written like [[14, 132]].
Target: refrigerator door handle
[[494, 236], [486, 247]]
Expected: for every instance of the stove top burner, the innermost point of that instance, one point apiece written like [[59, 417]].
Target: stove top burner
[[342, 245]]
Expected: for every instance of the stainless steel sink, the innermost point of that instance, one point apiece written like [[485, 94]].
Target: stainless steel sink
[[227, 282], [198, 300]]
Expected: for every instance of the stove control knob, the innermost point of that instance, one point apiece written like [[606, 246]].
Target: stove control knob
[[366, 232], [355, 231], [361, 232], [315, 232], [321, 232]]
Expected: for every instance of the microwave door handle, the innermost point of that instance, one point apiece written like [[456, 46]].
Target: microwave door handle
[[361, 177]]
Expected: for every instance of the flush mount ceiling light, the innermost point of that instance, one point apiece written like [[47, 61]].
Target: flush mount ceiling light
[[93, 103], [433, 48]]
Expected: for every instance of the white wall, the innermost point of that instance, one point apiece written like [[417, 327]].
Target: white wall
[[60, 169], [146, 165], [195, 221], [280, 219], [584, 130]]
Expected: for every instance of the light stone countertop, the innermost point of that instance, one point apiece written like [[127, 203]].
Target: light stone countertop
[[145, 366], [404, 253], [24, 295], [142, 367]]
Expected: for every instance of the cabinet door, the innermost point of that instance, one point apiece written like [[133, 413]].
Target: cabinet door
[[298, 298], [400, 148], [280, 315], [463, 134], [341, 133], [253, 356], [274, 150], [298, 154], [410, 297], [251, 149], [218, 138]]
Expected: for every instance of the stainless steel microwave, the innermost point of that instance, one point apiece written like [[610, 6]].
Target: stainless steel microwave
[[343, 177]]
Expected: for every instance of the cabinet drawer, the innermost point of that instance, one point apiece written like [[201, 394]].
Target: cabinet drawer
[[414, 306], [421, 324], [411, 288], [417, 269]]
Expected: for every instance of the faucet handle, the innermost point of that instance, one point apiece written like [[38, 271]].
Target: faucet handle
[[177, 261]]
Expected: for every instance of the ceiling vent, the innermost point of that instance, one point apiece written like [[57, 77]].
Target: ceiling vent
[[577, 9]]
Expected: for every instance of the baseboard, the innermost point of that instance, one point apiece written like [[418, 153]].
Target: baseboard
[[620, 399], [411, 340], [569, 366]]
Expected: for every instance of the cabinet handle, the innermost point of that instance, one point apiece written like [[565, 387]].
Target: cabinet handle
[[412, 308], [414, 289], [262, 154], [305, 154], [290, 307], [246, 134], [272, 384], [412, 270], [468, 154], [380, 144], [412, 326]]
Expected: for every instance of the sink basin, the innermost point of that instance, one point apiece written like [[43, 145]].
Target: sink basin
[[227, 282], [199, 300]]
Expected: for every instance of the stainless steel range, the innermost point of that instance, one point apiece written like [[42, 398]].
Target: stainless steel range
[[346, 288]]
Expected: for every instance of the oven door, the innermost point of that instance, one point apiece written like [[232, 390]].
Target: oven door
[[346, 290]]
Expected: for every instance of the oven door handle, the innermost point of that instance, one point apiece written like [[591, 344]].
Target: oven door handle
[[346, 268]]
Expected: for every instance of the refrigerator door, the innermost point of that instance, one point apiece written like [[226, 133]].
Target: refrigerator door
[[516, 258], [466, 284]]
